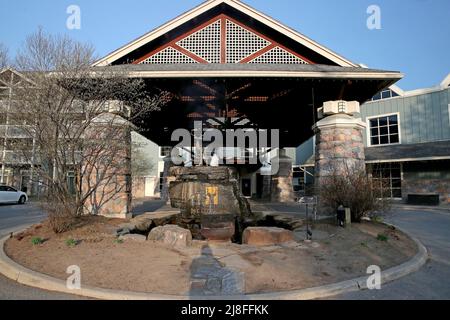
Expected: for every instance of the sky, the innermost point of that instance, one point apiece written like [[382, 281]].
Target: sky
[[414, 37]]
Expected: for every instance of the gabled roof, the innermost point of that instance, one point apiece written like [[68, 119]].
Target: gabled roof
[[237, 5], [446, 82], [16, 73]]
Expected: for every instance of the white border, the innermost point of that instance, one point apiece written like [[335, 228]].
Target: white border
[[368, 133]]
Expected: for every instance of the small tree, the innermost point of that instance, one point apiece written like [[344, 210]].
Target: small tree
[[4, 60], [141, 165], [352, 188], [77, 120]]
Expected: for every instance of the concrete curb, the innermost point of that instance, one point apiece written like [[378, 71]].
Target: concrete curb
[[22, 275]]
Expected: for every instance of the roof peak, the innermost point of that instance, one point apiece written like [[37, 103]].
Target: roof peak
[[239, 6]]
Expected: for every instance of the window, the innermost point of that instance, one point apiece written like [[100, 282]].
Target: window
[[384, 130], [165, 152], [71, 182], [387, 180], [161, 181], [386, 94], [299, 179]]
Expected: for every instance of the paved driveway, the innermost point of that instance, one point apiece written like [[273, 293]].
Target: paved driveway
[[432, 281], [12, 218]]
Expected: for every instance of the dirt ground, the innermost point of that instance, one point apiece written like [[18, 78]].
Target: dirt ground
[[340, 254]]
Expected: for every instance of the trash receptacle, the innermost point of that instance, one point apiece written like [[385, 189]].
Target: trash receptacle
[[341, 216]]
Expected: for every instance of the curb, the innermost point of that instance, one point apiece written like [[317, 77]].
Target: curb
[[24, 276]]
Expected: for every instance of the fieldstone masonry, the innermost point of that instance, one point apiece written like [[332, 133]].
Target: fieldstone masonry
[[339, 144], [281, 188]]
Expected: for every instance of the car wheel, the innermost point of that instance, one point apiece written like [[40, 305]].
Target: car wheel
[[22, 200]]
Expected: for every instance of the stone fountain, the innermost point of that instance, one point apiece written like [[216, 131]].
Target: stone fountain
[[210, 201]]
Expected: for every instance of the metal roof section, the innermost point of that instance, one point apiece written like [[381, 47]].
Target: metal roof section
[[438, 150]]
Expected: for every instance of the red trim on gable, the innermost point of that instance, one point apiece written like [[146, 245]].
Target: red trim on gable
[[223, 40], [268, 39], [189, 54], [173, 42], [223, 36], [259, 53]]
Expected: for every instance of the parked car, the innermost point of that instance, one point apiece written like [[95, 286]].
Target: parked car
[[10, 195]]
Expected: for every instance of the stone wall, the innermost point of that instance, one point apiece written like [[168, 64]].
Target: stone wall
[[339, 146], [138, 187], [282, 189], [427, 177], [112, 196]]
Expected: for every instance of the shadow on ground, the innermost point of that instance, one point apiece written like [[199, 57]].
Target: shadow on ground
[[209, 277]]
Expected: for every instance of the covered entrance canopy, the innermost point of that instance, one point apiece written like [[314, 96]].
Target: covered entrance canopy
[[226, 61]]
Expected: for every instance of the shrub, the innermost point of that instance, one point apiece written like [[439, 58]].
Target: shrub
[[71, 243], [382, 237], [351, 188], [37, 241], [118, 241], [61, 217]]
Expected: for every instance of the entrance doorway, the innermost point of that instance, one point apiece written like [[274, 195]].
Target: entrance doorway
[[247, 187]]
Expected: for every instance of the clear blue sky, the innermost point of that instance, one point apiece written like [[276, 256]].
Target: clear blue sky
[[414, 39]]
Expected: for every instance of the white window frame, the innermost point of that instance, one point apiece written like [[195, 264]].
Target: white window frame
[[369, 134], [161, 156], [401, 179]]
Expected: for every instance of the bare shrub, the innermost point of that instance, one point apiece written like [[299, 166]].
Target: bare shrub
[[76, 120], [351, 188]]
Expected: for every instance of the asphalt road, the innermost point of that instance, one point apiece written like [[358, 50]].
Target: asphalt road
[[13, 218], [432, 281], [432, 227]]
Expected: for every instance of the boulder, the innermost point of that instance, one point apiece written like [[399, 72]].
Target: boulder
[[171, 235], [133, 237], [262, 236], [122, 232]]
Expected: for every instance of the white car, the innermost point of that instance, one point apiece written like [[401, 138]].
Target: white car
[[11, 195]]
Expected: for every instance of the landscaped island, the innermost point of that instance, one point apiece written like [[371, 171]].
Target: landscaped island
[[133, 263]]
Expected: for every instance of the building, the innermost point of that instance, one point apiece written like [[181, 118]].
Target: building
[[230, 67], [407, 142], [15, 170]]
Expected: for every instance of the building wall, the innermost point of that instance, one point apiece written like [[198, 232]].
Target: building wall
[[427, 177], [423, 118]]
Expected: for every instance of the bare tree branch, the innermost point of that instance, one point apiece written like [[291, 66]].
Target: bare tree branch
[[79, 120]]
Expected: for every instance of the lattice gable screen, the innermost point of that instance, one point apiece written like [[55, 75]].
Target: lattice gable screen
[[223, 40]]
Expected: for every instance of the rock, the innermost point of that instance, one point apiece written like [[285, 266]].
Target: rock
[[122, 232], [171, 235], [143, 223], [133, 237], [261, 236]]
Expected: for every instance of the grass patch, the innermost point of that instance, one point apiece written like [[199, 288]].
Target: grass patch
[[71, 243], [118, 241], [378, 219], [382, 237], [37, 241]]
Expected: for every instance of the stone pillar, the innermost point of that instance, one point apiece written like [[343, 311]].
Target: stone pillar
[[339, 140], [266, 188], [113, 196], [282, 189], [167, 179]]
